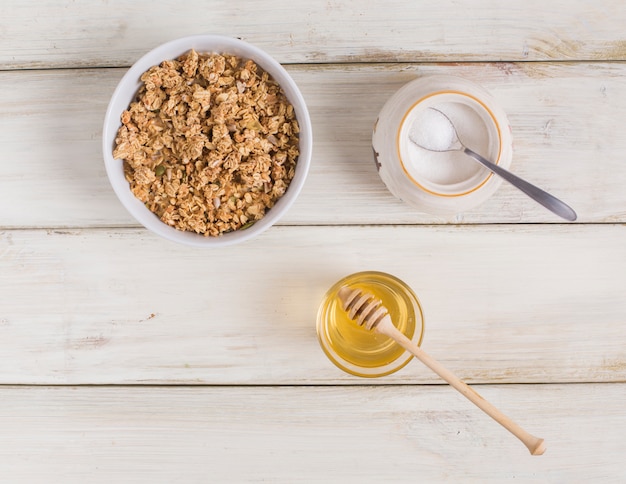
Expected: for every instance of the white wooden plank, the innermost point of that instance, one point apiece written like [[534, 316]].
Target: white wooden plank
[[308, 434], [63, 33], [518, 303], [566, 121]]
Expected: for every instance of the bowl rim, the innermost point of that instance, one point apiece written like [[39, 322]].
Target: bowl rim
[[470, 184], [125, 92]]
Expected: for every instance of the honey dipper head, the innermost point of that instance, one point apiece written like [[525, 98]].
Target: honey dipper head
[[362, 307]]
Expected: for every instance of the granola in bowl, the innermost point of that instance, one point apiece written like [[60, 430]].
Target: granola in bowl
[[210, 143], [207, 141]]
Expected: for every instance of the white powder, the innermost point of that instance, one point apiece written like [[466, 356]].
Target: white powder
[[432, 131]]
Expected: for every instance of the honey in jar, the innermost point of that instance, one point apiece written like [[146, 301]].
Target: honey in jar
[[357, 350]]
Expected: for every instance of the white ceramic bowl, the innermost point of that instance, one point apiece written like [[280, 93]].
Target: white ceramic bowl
[[441, 183], [127, 89]]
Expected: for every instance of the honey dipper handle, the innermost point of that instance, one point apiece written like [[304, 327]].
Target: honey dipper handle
[[535, 445]]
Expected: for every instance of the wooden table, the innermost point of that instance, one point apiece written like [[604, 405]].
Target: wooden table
[[127, 358]]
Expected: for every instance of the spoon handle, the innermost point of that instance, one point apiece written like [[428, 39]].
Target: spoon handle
[[535, 445], [544, 198]]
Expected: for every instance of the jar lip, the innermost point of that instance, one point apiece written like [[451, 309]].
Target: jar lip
[[433, 98]]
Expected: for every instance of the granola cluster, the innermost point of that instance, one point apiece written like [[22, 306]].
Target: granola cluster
[[210, 143]]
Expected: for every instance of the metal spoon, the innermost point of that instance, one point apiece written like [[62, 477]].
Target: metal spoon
[[544, 198]]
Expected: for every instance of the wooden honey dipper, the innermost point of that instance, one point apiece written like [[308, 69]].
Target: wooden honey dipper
[[366, 310]]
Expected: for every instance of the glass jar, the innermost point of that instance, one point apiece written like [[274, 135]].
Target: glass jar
[[353, 348]]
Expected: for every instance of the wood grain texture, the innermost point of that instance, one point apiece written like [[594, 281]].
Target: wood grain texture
[[503, 304], [64, 33], [126, 358], [307, 434], [53, 174]]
